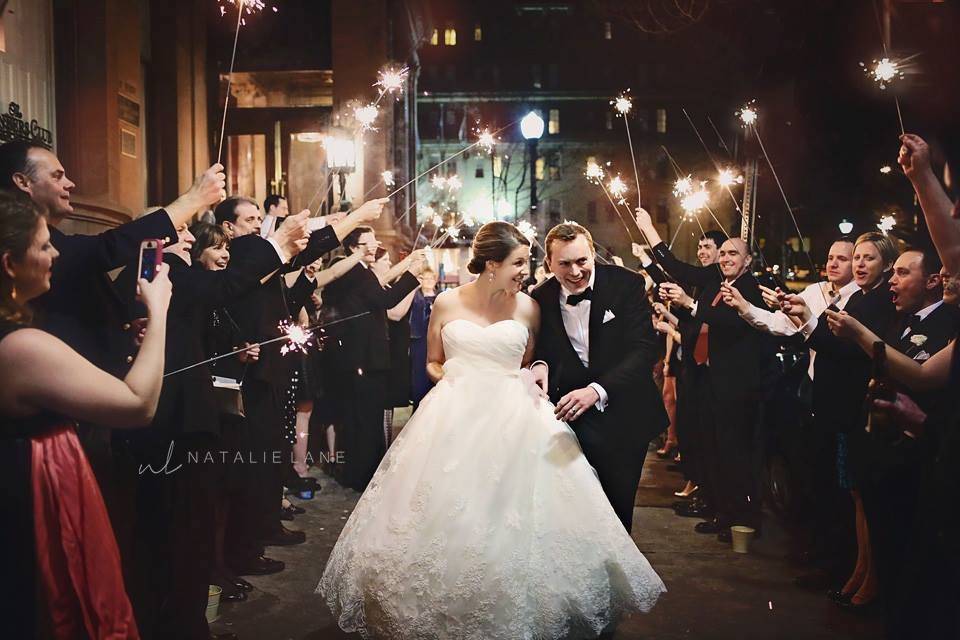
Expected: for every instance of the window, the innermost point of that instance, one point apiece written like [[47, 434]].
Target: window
[[661, 120], [553, 165], [497, 166], [609, 121], [607, 31], [592, 211], [477, 33], [553, 126], [479, 172], [540, 164], [435, 37], [450, 37]]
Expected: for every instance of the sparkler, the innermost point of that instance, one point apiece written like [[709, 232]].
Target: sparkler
[[695, 201], [438, 182], [618, 189], [299, 337], [683, 186], [594, 171], [454, 183], [366, 115], [387, 177], [391, 80], [885, 169], [528, 230], [748, 114], [727, 178], [886, 224], [486, 141], [885, 72], [286, 336], [623, 104]]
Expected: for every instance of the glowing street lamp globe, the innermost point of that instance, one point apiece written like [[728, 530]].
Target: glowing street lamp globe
[[532, 126]]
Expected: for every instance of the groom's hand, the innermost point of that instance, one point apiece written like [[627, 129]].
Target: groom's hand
[[574, 404]]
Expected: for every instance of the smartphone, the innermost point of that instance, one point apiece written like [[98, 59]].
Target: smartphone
[[151, 257]]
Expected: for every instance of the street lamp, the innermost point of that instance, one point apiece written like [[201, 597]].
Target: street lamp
[[845, 226], [532, 128]]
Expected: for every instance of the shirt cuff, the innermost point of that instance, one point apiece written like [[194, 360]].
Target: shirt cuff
[[693, 309], [602, 402], [276, 246], [808, 328]]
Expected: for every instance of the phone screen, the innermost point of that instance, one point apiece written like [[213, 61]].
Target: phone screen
[[150, 257]]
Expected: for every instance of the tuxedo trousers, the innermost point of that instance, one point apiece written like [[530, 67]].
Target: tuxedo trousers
[[361, 398], [691, 425], [262, 475], [616, 458]]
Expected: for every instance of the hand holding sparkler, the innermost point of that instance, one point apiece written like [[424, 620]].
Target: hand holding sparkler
[[369, 210], [843, 325], [772, 297], [250, 355], [914, 157], [645, 224], [292, 235], [207, 190], [793, 305], [672, 292], [418, 261], [732, 297]]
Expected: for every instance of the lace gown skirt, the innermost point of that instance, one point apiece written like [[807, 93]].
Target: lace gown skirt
[[484, 520]]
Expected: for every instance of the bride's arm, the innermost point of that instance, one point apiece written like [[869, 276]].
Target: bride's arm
[[531, 313], [435, 355]]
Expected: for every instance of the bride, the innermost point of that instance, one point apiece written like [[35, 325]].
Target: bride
[[484, 521]]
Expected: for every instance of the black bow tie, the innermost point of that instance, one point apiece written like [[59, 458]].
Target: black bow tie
[[576, 298]]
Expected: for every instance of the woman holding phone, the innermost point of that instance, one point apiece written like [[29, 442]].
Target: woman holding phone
[[49, 499]]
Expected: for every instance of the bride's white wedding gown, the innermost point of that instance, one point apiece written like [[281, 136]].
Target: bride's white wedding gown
[[484, 521]]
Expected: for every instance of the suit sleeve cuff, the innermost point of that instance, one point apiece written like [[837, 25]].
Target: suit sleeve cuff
[[693, 309], [808, 328], [276, 247], [602, 402]]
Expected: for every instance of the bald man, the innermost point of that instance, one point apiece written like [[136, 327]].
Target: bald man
[[738, 360]]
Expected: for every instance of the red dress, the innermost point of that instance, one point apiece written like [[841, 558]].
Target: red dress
[[78, 561]]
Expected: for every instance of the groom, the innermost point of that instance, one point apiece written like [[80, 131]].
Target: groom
[[594, 358]]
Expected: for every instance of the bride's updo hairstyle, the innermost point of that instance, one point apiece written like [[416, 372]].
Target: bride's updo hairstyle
[[494, 241]]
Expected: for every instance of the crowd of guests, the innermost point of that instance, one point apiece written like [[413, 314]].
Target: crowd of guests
[[156, 427], [881, 434]]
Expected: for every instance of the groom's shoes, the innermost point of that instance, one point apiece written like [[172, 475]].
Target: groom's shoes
[[284, 537], [261, 566]]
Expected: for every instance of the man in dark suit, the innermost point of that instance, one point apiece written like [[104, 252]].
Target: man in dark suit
[[259, 313], [897, 461], [594, 358], [737, 360], [360, 349]]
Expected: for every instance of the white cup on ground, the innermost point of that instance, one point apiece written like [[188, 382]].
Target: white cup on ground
[[742, 537], [213, 603]]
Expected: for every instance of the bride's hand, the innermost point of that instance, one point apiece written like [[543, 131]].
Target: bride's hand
[[532, 386]]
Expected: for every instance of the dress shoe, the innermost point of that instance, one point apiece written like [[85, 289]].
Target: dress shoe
[[233, 596], [711, 526], [284, 537], [694, 509], [286, 515], [231, 583], [260, 567], [241, 584]]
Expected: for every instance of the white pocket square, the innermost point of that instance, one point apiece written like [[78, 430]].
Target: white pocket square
[[608, 316]]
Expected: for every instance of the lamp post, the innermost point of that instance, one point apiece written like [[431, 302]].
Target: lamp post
[[845, 226], [532, 128], [341, 156]]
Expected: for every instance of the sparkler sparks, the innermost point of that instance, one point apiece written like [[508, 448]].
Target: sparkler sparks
[[618, 189], [486, 141], [748, 114], [594, 171], [299, 338], [437, 221], [695, 201], [454, 183], [387, 177], [883, 71], [623, 104], [438, 181], [528, 230], [392, 80], [885, 169], [249, 7], [683, 186], [366, 115], [728, 177], [886, 224]]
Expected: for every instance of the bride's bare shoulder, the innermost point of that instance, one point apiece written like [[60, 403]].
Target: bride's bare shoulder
[[528, 311]]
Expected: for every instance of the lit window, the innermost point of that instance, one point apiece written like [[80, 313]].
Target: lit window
[[591, 160], [609, 121], [435, 37], [540, 164], [553, 127], [450, 36], [477, 33], [497, 166], [661, 120], [607, 31]]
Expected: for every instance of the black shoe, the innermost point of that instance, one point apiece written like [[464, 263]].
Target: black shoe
[[242, 584], [711, 526], [231, 583], [284, 537], [696, 509], [286, 515], [262, 566], [233, 596]]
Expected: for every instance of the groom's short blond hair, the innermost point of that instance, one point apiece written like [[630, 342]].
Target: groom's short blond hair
[[567, 232]]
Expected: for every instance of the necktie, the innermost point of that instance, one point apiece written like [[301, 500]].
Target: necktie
[[576, 298]]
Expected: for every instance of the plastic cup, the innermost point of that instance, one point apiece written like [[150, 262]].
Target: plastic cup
[[213, 603], [742, 536]]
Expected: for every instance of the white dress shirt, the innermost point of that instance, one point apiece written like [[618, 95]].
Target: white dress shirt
[[816, 297], [576, 321]]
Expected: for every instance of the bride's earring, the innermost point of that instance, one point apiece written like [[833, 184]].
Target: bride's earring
[[491, 276]]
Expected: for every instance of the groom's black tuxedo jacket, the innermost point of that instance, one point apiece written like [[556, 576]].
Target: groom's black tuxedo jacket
[[622, 354]]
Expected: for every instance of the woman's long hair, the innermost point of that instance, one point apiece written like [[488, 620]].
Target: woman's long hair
[[19, 223]]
